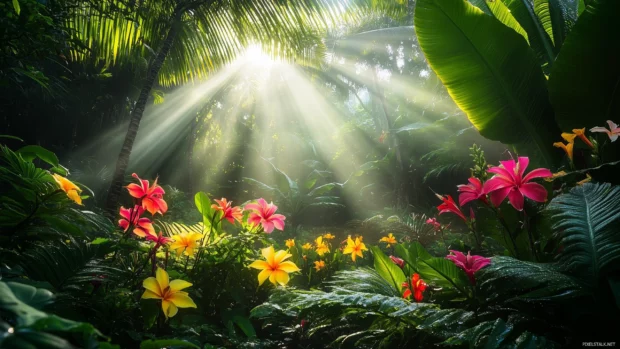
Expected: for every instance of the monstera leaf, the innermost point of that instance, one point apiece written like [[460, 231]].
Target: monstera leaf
[[491, 73], [587, 220], [585, 79]]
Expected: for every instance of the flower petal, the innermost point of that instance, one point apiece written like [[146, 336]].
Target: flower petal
[[264, 275], [281, 277], [182, 300], [150, 295], [499, 195], [280, 256], [534, 191], [259, 265], [288, 267], [516, 199], [178, 285], [152, 285], [537, 173], [162, 278], [268, 227], [268, 253], [169, 309]]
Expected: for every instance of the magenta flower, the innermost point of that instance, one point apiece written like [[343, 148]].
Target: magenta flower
[[263, 214], [470, 264], [510, 182], [449, 205], [398, 261], [612, 133], [472, 191]]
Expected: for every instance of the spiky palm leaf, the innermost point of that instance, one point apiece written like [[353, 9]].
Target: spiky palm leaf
[[213, 32], [587, 220]]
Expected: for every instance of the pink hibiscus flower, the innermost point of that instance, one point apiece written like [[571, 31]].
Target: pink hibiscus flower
[[264, 214], [142, 226], [449, 205], [509, 181]]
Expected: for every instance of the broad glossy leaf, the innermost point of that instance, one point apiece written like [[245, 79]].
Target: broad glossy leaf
[[499, 10], [502, 89], [388, 269], [30, 152], [584, 86]]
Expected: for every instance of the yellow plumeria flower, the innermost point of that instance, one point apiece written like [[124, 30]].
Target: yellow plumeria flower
[[321, 246], [328, 236], [274, 267], [72, 190], [389, 240], [290, 243], [185, 243], [172, 298], [306, 246], [355, 248], [318, 265]]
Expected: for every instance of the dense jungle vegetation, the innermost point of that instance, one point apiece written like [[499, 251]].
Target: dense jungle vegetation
[[309, 174]]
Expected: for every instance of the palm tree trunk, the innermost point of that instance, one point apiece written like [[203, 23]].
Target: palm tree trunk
[[136, 115]]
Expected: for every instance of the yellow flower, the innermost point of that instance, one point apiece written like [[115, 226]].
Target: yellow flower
[[328, 236], [318, 265], [274, 267], [290, 243], [355, 248], [72, 190], [306, 246], [321, 246], [389, 240], [570, 144], [169, 292], [581, 133], [185, 243]]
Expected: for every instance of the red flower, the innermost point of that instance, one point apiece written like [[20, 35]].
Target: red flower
[[142, 226], [472, 191], [417, 285], [150, 196], [470, 264], [509, 181], [264, 215], [398, 261], [230, 213], [159, 240], [449, 205]]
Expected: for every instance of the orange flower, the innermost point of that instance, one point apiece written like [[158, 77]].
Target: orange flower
[[230, 213], [389, 240], [581, 133], [150, 196], [72, 190], [318, 265], [321, 246], [416, 285], [290, 243], [328, 236]]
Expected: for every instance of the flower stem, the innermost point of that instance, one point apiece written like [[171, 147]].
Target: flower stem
[[530, 236]]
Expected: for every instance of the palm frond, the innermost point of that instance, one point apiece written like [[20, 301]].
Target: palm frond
[[587, 221]]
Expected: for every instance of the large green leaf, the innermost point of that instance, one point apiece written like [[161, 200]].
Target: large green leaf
[[491, 73], [388, 269], [584, 85], [541, 8], [509, 280], [587, 220], [541, 43], [499, 10]]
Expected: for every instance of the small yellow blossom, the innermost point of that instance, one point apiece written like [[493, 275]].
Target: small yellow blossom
[[172, 298], [328, 236], [274, 267], [355, 248], [185, 243], [321, 246], [318, 265], [72, 190], [389, 240], [290, 243], [306, 246]]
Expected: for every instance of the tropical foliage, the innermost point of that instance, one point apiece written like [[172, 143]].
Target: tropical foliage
[[311, 174]]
